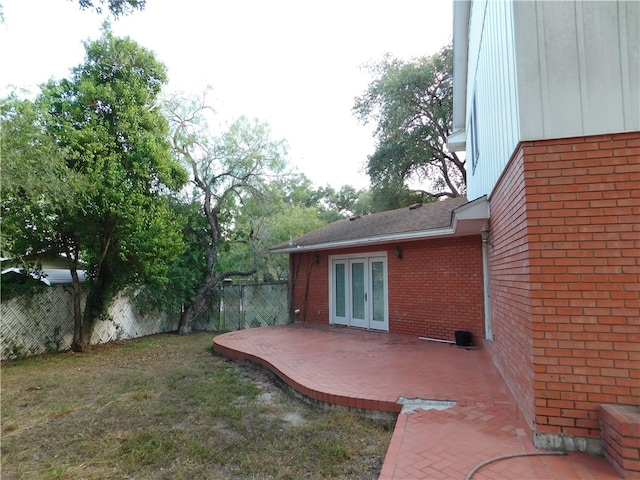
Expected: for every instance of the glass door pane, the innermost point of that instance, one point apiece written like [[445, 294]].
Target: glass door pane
[[340, 293], [357, 291], [377, 291]]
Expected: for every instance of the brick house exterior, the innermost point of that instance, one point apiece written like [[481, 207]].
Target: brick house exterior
[[553, 138], [431, 277], [434, 279]]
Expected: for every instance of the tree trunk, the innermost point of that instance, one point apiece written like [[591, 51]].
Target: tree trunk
[[83, 332], [77, 309], [97, 300], [202, 300], [199, 304]]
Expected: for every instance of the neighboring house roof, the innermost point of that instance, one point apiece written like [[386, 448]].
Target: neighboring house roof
[[49, 276], [452, 217], [59, 275], [52, 270], [16, 275]]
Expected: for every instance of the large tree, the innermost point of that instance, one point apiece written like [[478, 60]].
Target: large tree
[[290, 206], [104, 125], [226, 171], [410, 104], [287, 207]]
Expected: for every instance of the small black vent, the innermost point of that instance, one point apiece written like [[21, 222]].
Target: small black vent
[[355, 217], [415, 206]]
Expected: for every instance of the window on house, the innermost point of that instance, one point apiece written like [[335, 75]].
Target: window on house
[[475, 152]]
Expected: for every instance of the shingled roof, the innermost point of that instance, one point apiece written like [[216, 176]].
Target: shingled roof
[[418, 221]]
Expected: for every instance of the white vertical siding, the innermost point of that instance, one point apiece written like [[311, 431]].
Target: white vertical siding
[[492, 78], [577, 67], [542, 70]]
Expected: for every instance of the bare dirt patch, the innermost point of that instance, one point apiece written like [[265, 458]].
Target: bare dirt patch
[[165, 407]]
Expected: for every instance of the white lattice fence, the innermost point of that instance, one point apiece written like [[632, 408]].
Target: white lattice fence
[[36, 324]]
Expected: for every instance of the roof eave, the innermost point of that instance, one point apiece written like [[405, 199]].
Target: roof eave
[[461, 13], [379, 239], [470, 218], [467, 219]]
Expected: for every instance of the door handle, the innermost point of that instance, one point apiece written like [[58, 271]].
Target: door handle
[[365, 296]]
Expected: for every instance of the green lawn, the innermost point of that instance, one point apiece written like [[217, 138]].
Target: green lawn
[[166, 407]]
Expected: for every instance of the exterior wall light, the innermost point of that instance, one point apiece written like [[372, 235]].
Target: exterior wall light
[[485, 235], [399, 253]]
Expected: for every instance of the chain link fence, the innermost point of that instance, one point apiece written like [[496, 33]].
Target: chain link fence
[[254, 305]]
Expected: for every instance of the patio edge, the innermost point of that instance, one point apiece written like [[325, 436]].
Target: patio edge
[[369, 408]]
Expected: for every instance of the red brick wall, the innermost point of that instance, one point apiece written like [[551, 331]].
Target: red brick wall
[[434, 290], [437, 288], [583, 205], [513, 331], [581, 252], [308, 287]]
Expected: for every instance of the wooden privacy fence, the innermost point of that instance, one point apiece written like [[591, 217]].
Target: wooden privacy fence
[[40, 323]]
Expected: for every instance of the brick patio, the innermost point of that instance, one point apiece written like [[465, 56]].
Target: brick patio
[[370, 370]]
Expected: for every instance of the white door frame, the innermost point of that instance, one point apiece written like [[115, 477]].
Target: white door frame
[[341, 313]]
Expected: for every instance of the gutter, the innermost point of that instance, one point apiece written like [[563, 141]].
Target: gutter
[[395, 237]]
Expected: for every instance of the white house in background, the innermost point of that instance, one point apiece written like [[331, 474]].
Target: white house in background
[[547, 108], [54, 271]]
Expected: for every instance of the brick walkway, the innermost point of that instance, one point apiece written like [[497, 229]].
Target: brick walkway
[[369, 370]]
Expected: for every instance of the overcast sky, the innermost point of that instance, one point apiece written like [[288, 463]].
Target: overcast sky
[[294, 64]]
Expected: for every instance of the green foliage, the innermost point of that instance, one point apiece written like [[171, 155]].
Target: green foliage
[[36, 182], [117, 8], [390, 195], [229, 170], [26, 286], [106, 118], [271, 219], [240, 205], [411, 104], [187, 271], [289, 206], [111, 169]]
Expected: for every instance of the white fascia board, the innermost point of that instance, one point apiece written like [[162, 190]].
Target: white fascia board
[[461, 14], [396, 237]]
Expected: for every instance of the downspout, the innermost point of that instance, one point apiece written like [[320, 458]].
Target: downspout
[[488, 330], [305, 303], [294, 268]]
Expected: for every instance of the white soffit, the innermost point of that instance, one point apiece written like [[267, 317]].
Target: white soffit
[[457, 141], [471, 217]]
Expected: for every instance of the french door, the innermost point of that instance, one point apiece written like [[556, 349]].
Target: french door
[[358, 291]]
